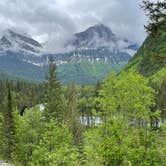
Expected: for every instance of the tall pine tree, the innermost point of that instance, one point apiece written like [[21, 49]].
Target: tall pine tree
[[54, 108], [9, 138]]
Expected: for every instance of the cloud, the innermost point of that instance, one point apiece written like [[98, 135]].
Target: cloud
[[57, 20], [37, 17], [124, 17]]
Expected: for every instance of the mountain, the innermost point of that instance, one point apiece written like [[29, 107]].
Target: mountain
[[101, 36], [94, 37], [12, 41], [150, 61], [151, 57], [96, 51]]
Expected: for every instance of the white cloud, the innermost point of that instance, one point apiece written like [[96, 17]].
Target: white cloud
[[56, 20]]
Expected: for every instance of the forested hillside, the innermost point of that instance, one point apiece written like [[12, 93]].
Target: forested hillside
[[151, 57], [117, 122], [113, 123], [150, 61]]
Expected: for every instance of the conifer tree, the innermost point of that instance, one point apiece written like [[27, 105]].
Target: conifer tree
[[1, 131], [156, 11], [54, 108], [73, 115], [9, 138]]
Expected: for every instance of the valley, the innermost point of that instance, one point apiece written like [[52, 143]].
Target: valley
[[97, 47], [78, 92]]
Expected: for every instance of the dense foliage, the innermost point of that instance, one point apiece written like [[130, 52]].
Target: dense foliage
[[150, 60], [65, 132], [119, 122]]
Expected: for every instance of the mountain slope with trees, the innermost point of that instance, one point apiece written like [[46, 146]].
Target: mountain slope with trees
[[151, 57], [85, 59], [114, 123], [150, 60]]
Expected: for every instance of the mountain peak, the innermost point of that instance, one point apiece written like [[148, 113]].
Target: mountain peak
[[14, 33], [16, 41], [95, 36], [100, 27], [21, 36]]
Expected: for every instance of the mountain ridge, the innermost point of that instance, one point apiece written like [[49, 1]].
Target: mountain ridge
[[100, 36], [28, 53], [151, 57], [12, 41], [150, 61]]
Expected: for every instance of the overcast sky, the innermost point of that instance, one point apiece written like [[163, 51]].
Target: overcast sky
[[59, 19]]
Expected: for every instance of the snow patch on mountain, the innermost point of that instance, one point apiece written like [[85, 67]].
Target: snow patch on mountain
[[16, 42]]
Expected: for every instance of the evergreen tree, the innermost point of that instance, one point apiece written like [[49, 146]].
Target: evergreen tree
[[73, 115], [54, 108], [1, 131], [9, 138], [156, 11]]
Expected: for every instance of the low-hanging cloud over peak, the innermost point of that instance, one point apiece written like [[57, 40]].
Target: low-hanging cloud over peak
[[55, 21]]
